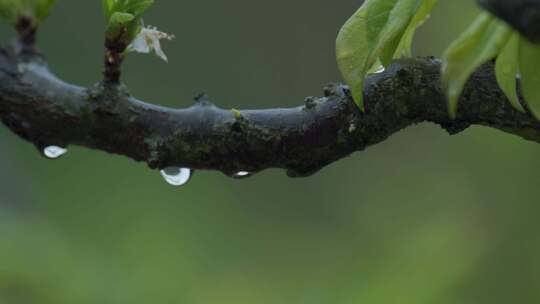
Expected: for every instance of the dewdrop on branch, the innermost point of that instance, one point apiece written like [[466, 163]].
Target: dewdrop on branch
[[54, 152], [176, 176], [148, 40]]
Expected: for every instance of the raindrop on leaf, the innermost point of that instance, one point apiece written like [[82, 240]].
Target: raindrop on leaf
[[176, 176]]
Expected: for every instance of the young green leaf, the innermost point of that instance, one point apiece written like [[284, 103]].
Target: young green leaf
[[422, 15], [117, 23], [42, 8], [9, 10], [373, 35], [124, 19], [36, 10], [507, 68], [481, 42], [138, 7], [529, 65], [133, 7], [107, 9], [398, 21]]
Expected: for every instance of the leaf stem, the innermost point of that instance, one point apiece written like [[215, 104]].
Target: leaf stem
[[26, 29], [114, 57]]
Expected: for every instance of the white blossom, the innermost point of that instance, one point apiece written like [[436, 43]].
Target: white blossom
[[148, 40]]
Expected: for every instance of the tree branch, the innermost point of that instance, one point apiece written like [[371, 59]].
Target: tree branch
[[523, 15], [47, 111]]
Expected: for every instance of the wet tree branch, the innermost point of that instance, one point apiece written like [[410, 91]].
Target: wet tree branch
[[47, 111]]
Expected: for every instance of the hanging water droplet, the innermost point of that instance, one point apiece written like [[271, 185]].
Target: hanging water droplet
[[241, 174], [379, 70], [176, 176], [54, 152]]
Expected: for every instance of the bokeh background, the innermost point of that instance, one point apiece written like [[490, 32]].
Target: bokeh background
[[421, 218]]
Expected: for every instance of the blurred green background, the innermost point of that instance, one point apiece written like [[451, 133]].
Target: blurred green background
[[421, 218]]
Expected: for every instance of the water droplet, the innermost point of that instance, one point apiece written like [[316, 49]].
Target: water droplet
[[176, 176], [54, 152], [379, 70], [241, 174]]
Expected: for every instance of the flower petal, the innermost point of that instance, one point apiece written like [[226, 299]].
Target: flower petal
[[140, 45], [158, 50]]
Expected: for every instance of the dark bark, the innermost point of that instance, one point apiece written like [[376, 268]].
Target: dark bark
[[26, 29], [114, 56], [523, 15], [46, 111]]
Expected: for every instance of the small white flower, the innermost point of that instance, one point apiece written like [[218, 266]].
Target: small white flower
[[148, 40]]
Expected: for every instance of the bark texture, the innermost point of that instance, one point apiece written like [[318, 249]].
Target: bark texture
[[47, 111]]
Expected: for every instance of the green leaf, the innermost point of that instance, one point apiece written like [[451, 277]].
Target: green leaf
[[124, 19], [138, 7], [507, 68], [422, 15], [9, 10], [481, 42], [373, 34], [529, 65], [117, 24], [42, 8], [398, 21], [37, 10], [133, 7], [107, 9]]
